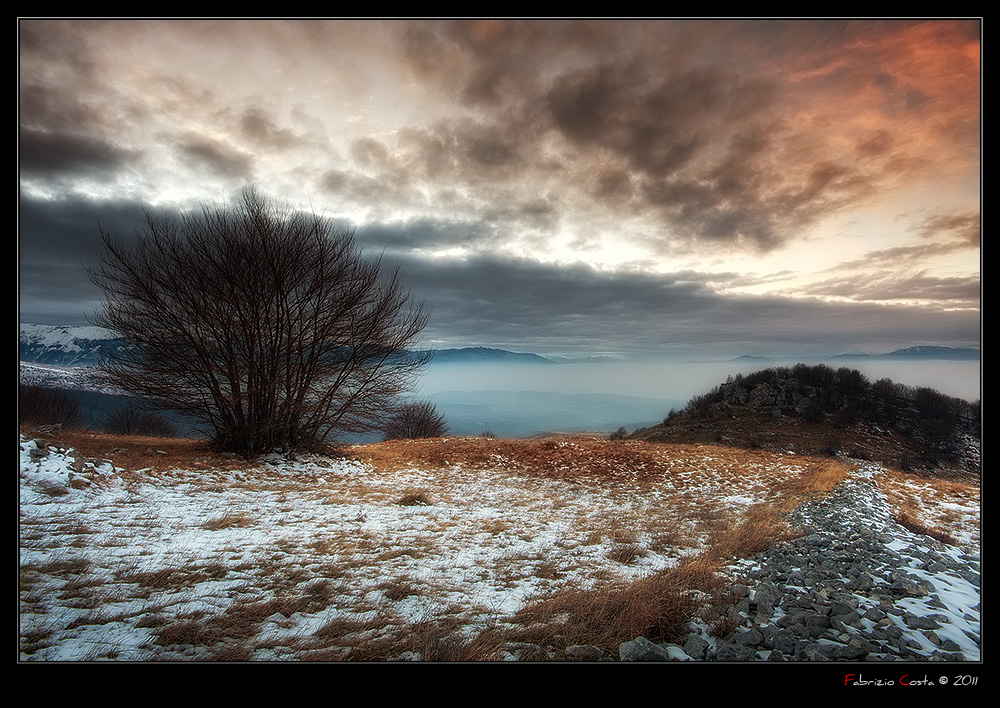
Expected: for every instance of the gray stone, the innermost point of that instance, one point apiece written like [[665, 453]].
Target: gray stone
[[641, 649], [696, 647], [817, 597], [750, 637], [914, 622], [728, 651], [584, 652]]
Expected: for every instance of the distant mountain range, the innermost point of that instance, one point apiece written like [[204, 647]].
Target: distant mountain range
[[82, 346], [484, 355], [921, 352], [62, 357], [64, 346]]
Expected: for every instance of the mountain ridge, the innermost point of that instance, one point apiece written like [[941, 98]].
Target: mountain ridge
[[81, 345]]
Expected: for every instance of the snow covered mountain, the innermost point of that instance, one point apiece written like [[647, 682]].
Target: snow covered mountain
[[81, 346], [64, 345]]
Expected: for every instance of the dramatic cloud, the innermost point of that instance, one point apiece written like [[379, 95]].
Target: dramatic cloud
[[593, 184]]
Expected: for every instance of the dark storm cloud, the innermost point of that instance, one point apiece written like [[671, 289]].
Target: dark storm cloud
[[222, 159], [658, 124], [707, 152], [487, 64], [57, 241], [520, 304], [64, 129], [259, 127], [46, 108], [664, 120], [419, 234], [384, 190], [550, 308], [707, 125], [60, 154]]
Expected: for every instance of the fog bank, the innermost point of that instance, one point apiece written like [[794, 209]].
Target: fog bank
[[682, 380]]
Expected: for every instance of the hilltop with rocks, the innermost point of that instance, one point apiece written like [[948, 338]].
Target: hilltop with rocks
[[821, 410]]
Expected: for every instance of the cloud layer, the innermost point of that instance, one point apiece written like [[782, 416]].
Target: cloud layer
[[566, 184]]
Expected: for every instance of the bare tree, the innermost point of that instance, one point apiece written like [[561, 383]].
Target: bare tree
[[416, 420], [266, 324], [130, 418]]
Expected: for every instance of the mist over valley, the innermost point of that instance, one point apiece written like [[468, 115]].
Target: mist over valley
[[519, 400], [523, 394]]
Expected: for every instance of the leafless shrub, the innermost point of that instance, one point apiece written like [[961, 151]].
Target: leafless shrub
[[37, 405], [416, 420], [414, 498], [626, 554], [130, 419], [266, 325]]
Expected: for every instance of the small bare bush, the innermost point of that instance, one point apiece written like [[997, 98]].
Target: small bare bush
[[37, 405], [626, 554], [414, 498], [283, 333], [130, 419], [416, 420]]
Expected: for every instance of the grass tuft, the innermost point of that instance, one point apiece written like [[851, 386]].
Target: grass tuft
[[657, 607], [912, 524], [229, 521], [414, 498]]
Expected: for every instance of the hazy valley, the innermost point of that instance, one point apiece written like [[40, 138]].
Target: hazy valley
[[521, 394]]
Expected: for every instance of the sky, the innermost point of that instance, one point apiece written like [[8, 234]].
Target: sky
[[627, 188]]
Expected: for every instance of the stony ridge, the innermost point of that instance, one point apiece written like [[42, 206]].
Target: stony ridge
[[855, 586]]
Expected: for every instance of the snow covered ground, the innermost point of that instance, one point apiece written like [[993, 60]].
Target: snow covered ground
[[311, 558]]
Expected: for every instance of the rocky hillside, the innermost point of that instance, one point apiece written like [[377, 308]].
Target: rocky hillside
[[820, 410]]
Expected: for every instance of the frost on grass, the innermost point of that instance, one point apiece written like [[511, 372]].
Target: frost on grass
[[398, 550]]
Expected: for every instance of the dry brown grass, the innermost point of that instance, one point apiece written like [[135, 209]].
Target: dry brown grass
[[657, 607], [230, 634], [33, 640], [604, 613], [173, 578], [382, 638], [821, 477], [136, 452], [933, 507], [444, 641], [414, 497], [918, 527], [229, 520], [761, 526]]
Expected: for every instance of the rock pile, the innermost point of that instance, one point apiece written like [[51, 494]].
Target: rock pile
[[855, 587]]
